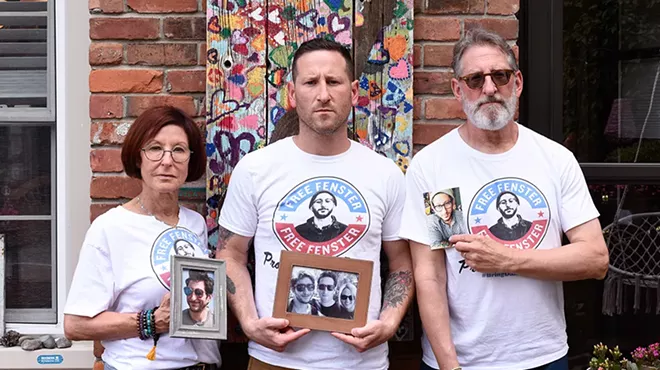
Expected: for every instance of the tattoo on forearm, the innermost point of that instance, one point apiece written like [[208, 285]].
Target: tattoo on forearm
[[231, 288], [223, 237], [397, 288]]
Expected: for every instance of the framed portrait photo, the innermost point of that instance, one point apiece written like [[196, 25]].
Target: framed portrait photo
[[322, 292], [198, 303]]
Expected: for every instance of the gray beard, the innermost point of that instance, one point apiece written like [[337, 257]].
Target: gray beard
[[493, 118]]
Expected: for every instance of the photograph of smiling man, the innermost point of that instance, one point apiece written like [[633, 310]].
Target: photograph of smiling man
[[198, 307]]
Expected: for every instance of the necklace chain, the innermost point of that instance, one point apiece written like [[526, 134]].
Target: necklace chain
[[149, 213]]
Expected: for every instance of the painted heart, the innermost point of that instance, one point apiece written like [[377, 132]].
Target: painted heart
[[280, 57], [214, 26], [222, 107], [374, 90], [276, 77], [254, 58], [238, 38], [359, 19], [241, 49], [400, 71], [289, 13], [321, 21], [401, 9], [364, 83], [334, 5], [257, 14], [280, 38], [363, 101], [306, 20], [214, 75], [251, 32], [212, 56], [237, 79], [407, 107], [276, 113], [378, 55], [402, 148], [397, 46], [337, 24], [394, 95], [344, 38], [274, 16], [233, 147], [261, 131]]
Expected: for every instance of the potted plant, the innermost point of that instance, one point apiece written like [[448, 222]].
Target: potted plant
[[609, 359], [647, 358]]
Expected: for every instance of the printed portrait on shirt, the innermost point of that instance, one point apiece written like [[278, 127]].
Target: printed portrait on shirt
[[444, 216], [323, 215], [512, 211], [173, 241]]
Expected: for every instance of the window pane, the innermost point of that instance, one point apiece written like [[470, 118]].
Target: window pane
[[25, 170], [23, 53], [611, 92], [28, 258]]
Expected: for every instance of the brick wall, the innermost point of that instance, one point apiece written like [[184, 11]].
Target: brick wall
[[146, 52], [143, 52], [438, 25]]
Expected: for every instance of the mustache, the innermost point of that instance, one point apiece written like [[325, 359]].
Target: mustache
[[490, 99]]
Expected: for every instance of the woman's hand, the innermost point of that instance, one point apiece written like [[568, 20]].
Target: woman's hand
[[162, 315]]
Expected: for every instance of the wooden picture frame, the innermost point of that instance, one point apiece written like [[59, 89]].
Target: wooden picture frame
[[298, 269], [184, 307]]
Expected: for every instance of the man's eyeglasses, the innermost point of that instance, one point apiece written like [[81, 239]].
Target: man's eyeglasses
[[476, 80], [198, 292], [346, 297], [326, 287], [156, 153], [446, 205], [301, 287]]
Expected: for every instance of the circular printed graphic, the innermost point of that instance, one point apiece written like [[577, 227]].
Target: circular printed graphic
[[177, 240], [511, 211], [323, 215]]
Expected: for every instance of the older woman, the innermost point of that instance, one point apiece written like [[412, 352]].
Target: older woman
[[119, 294], [347, 295]]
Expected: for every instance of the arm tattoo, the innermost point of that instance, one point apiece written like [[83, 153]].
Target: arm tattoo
[[223, 237], [231, 288], [397, 289]]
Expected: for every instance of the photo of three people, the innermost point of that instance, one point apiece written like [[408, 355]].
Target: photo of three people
[[320, 292]]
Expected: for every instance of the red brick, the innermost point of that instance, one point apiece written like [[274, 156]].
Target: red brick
[[202, 54], [106, 160], [185, 28], [503, 7], [186, 81], [426, 133], [455, 7], [124, 28], [436, 28], [419, 6], [97, 209], [106, 6], [105, 53], [139, 103], [108, 133], [114, 187], [417, 55], [203, 6], [163, 6], [106, 106], [126, 80], [417, 108], [507, 28], [162, 54], [443, 108], [432, 83], [438, 55]]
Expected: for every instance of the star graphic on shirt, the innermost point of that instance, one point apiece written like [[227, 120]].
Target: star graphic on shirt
[[283, 218], [540, 214], [477, 220], [358, 219]]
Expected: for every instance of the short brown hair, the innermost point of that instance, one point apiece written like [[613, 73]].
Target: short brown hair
[[321, 43], [145, 128]]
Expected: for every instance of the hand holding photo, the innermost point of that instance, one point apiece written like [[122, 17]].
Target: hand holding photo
[[323, 293], [444, 217], [198, 301]]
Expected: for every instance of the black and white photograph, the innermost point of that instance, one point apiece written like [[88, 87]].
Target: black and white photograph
[[319, 292], [444, 216], [198, 298], [198, 309], [323, 225]]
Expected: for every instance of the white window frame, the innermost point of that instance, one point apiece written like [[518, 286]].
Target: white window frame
[[71, 25]]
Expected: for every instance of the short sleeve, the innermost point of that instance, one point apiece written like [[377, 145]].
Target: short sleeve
[[396, 197], [239, 210], [413, 222], [576, 206], [92, 288]]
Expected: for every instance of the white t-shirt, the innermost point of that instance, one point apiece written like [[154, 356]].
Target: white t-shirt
[[269, 198], [501, 321], [124, 267]]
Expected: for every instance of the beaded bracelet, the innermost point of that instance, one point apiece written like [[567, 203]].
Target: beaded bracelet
[[151, 319]]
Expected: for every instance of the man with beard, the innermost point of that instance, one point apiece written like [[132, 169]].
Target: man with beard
[[270, 185], [323, 226], [467, 313], [511, 226], [446, 219], [199, 292]]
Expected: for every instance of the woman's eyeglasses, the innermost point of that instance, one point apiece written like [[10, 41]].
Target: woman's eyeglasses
[[301, 287], [476, 80], [346, 297], [156, 153], [198, 292]]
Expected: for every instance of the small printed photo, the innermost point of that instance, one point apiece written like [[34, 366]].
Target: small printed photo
[[198, 291], [321, 292], [444, 216]]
